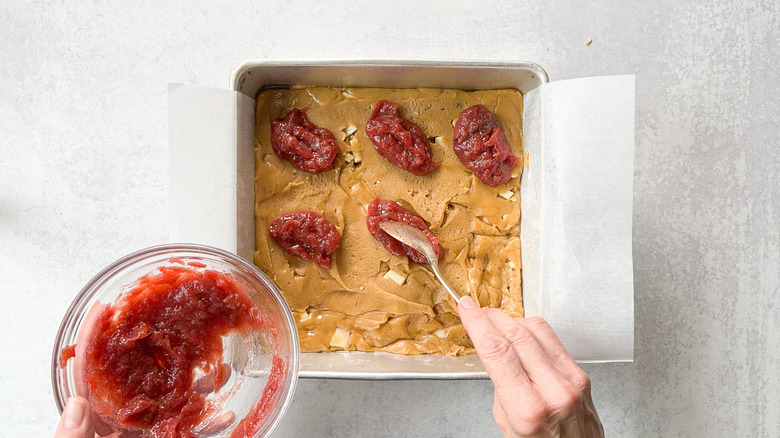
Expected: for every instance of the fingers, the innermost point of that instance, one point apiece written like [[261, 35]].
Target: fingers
[[82, 341], [502, 421], [558, 355], [218, 424], [487, 340], [76, 421], [539, 362], [556, 396], [496, 353], [532, 356], [539, 388]]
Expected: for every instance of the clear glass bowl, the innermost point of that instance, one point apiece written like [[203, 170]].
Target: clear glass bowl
[[251, 382]]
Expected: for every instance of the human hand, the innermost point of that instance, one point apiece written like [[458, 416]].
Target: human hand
[[76, 421], [540, 391]]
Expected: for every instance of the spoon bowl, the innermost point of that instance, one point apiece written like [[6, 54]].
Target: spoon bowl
[[414, 238]]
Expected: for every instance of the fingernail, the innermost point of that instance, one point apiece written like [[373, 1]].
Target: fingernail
[[467, 303], [73, 415]]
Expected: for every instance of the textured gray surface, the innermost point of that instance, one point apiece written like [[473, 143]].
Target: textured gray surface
[[83, 180]]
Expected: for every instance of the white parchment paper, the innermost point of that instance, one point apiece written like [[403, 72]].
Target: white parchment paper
[[577, 196], [211, 144]]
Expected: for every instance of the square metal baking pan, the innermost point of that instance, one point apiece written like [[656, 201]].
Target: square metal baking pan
[[253, 76]]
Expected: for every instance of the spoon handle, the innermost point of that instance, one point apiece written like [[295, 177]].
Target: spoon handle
[[435, 267]]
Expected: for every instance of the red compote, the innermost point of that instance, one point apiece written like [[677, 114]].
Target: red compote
[[380, 210], [305, 145], [481, 146], [402, 142], [150, 352], [307, 235]]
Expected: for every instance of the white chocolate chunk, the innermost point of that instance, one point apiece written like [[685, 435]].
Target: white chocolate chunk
[[358, 158], [395, 277], [440, 333], [340, 338], [507, 194], [348, 132]]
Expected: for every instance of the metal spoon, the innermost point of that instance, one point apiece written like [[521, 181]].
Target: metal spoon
[[408, 235]]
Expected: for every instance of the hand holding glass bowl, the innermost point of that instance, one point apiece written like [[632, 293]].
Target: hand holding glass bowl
[[238, 383]]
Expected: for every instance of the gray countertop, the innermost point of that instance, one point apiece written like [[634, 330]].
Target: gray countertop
[[83, 181]]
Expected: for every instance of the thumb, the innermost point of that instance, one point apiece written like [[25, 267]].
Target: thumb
[[76, 421]]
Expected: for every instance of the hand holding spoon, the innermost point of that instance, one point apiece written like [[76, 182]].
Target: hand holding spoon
[[410, 236]]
